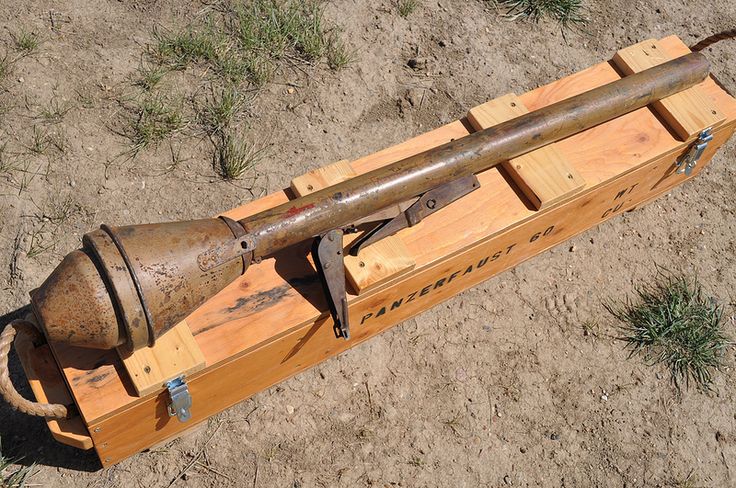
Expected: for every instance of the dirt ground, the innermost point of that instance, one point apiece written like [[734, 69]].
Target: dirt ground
[[500, 386]]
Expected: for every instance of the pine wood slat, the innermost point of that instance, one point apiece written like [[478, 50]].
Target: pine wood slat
[[174, 354], [687, 112], [543, 175]]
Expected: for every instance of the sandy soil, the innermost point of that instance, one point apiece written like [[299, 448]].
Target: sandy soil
[[499, 386]]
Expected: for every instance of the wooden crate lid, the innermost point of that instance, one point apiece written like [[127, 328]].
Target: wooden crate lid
[[276, 297]]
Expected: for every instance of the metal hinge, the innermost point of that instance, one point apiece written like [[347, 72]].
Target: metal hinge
[[688, 161], [181, 400]]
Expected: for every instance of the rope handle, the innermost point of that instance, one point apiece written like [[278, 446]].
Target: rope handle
[[7, 390], [710, 40]]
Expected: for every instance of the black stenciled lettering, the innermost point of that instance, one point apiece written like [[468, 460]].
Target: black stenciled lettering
[[397, 304], [366, 317], [453, 276], [381, 312], [483, 262], [425, 290], [440, 282], [411, 296], [612, 210], [468, 270], [496, 256]]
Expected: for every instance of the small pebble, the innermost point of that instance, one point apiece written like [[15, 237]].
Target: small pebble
[[290, 91], [572, 248], [522, 450], [442, 43], [555, 436], [289, 409]]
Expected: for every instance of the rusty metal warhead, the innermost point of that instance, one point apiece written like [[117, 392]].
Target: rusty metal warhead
[[128, 285]]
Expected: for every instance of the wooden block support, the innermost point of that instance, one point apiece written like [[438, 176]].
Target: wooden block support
[[544, 175], [175, 353], [377, 263], [688, 112]]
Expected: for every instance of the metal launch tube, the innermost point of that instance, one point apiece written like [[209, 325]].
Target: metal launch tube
[[346, 202]]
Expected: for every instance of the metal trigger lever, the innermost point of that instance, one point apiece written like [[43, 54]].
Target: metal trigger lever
[[428, 203], [327, 249], [327, 252]]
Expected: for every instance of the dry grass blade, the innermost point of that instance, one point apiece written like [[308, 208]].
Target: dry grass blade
[[17, 478], [6, 65], [337, 54], [672, 322], [25, 42], [406, 7], [220, 109], [55, 111], [156, 119], [565, 12], [150, 76], [236, 156]]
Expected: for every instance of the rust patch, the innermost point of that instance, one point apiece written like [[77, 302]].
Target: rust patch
[[291, 212]]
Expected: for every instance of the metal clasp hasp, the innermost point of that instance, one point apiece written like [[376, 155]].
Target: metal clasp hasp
[[181, 401], [690, 158]]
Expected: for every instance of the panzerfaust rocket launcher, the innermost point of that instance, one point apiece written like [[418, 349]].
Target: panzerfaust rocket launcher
[[128, 285]]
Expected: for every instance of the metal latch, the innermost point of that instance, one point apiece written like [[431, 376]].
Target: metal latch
[[181, 400], [690, 159]]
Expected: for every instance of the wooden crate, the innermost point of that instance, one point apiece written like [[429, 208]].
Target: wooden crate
[[272, 323]]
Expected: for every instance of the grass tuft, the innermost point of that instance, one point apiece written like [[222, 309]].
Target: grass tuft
[[180, 49], [25, 42], [565, 12], [156, 120], [406, 7], [250, 39], [40, 141], [220, 109], [55, 111], [150, 76], [16, 479], [672, 322], [235, 156], [337, 54]]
